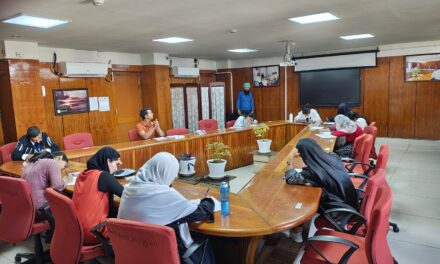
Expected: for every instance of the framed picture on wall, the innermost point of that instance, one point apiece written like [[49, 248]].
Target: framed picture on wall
[[422, 68], [71, 101], [266, 76]]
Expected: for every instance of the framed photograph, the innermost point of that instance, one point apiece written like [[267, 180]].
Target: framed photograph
[[266, 76], [72, 101], [422, 68]]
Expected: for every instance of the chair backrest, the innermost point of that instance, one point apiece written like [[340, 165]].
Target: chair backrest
[[133, 135], [136, 242], [373, 124], [382, 159], [17, 211], [230, 123], [78, 141], [373, 184], [358, 147], [208, 124], [368, 144], [177, 131], [372, 130], [376, 245], [67, 239], [6, 151]]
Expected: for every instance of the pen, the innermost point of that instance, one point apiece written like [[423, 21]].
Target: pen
[[207, 191]]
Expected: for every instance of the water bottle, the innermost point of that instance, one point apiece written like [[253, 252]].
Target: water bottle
[[290, 117], [224, 198]]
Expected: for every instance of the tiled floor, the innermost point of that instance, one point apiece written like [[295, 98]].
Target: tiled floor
[[413, 173]]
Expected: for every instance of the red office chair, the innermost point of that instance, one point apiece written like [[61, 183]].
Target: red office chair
[[135, 242], [360, 164], [230, 123], [208, 124], [373, 124], [133, 135], [358, 179], [78, 141], [6, 152], [337, 247], [67, 241], [177, 131], [372, 130], [17, 218]]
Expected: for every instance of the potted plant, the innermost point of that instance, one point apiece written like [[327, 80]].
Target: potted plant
[[260, 132], [187, 163], [216, 164]]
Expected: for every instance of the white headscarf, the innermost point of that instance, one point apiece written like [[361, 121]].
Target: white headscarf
[[344, 124], [148, 198]]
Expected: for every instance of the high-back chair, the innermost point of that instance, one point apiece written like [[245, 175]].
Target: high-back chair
[[230, 123], [338, 247], [133, 135], [361, 165], [177, 131], [208, 124], [372, 130], [136, 242], [67, 241], [6, 152], [78, 141], [17, 218]]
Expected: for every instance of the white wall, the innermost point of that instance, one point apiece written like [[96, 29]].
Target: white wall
[[21, 50]]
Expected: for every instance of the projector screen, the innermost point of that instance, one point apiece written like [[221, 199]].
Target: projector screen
[[330, 87]]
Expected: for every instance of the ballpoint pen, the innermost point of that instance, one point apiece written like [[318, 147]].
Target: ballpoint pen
[[207, 191]]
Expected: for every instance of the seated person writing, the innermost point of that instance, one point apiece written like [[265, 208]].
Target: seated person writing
[[346, 131], [148, 128], [307, 114], [245, 120], [149, 198], [34, 141]]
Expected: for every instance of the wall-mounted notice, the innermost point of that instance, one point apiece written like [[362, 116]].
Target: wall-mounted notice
[[104, 104], [93, 103]]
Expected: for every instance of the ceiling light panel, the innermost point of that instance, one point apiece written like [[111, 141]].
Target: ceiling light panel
[[31, 21], [245, 50], [322, 17], [359, 36], [173, 40]]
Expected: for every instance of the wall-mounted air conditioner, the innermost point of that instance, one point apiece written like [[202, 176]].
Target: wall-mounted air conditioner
[[84, 69], [185, 72]]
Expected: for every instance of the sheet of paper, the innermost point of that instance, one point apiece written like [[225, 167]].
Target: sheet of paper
[[160, 138], [325, 136], [72, 182], [316, 128], [217, 203], [93, 103], [176, 137], [326, 133], [104, 103]]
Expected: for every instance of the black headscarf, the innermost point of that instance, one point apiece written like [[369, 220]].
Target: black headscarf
[[99, 160], [343, 109], [335, 181]]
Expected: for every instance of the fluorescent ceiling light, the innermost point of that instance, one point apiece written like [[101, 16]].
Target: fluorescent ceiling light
[[242, 50], [173, 40], [32, 21], [314, 18], [359, 36]]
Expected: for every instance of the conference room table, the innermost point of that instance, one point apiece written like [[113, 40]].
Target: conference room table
[[264, 206]]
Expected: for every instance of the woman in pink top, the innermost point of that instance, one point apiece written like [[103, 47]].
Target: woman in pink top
[[43, 170], [346, 128]]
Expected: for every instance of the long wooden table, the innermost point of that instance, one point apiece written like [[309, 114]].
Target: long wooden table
[[266, 205]]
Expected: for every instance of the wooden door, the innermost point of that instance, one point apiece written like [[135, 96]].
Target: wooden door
[[127, 103]]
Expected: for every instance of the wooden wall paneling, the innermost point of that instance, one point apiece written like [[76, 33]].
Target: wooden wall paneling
[[127, 159], [126, 68], [292, 92], [163, 97], [282, 94], [277, 135], [75, 123], [141, 155], [402, 101], [54, 123], [427, 116], [376, 91], [103, 124], [9, 132], [207, 77], [27, 95], [148, 88], [128, 102]]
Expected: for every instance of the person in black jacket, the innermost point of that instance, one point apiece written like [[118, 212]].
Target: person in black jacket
[[34, 141]]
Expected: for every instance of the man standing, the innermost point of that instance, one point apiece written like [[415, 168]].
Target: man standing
[[34, 141], [245, 101], [148, 128]]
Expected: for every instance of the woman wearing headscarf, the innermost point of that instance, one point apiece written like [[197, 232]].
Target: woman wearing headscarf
[[328, 172], [94, 190], [347, 131], [149, 198]]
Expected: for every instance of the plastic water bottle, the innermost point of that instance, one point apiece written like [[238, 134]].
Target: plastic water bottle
[[290, 117], [224, 198]]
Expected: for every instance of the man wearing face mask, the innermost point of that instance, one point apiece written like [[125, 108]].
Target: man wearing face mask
[[34, 141], [245, 101]]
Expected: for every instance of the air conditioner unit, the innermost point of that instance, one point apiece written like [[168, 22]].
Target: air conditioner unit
[[185, 72], [84, 69]]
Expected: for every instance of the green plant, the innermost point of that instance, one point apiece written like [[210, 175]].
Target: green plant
[[260, 131], [217, 151]]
